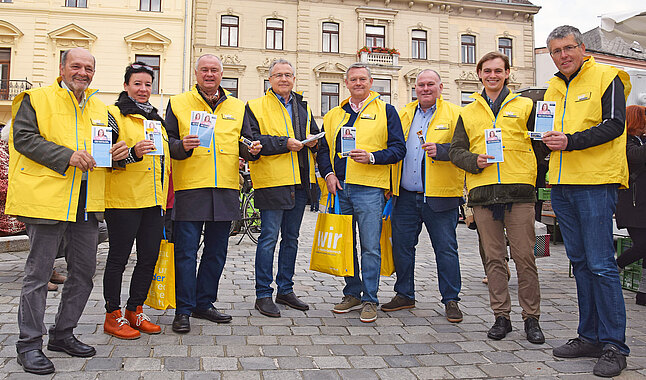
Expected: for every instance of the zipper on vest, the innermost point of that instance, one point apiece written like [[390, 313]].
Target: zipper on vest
[[494, 125], [567, 89]]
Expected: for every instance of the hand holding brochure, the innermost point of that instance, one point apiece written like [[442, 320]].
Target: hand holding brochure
[[101, 145], [493, 143], [544, 121], [348, 140], [203, 125], [313, 138], [153, 132]]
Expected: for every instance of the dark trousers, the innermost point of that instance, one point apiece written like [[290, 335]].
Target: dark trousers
[[124, 225], [637, 251]]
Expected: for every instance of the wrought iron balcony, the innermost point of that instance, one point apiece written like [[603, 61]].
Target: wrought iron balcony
[[9, 88]]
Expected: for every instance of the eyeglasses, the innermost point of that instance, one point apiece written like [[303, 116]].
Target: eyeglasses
[[138, 66], [281, 75], [566, 49]]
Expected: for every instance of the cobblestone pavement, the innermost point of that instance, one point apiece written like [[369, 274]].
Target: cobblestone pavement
[[317, 344]]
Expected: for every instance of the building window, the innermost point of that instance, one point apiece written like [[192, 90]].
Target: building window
[[465, 98], [229, 31], [5, 64], [468, 49], [149, 5], [504, 46], [413, 94], [231, 85], [274, 34], [382, 86], [329, 97], [6, 1], [152, 61], [330, 37], [419, 44], [70, 3], [375, 36], [266, 85]]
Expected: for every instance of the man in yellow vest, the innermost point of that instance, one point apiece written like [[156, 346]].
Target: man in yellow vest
[[428, 190], [357, 172], [56, 190], [283, 179], [502, 193], [205, 179], [587, 166]]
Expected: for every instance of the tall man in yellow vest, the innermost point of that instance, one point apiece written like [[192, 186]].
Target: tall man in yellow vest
[[359, 182], [205, 180], [283, 179], [55, 189], [502, 194], [428, 190], [587, 166]]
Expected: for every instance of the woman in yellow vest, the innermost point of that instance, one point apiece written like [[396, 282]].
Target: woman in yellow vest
[[135, 201]]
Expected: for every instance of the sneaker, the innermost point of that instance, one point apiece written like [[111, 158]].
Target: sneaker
[[500, 328], [398, 303], [348, 303], [453, 312], [577, 348], [533, 331], [611, 363], [368, 312]]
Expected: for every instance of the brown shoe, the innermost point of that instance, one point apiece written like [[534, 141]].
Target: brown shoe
[[398, 303], [57, 278], [51, 287], [141, 321], [118, 326], [453, 313]]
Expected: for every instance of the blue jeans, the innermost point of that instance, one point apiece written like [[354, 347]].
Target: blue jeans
[[409, 212], [584, 213], [191, 292], [288, 223], [366, 205]]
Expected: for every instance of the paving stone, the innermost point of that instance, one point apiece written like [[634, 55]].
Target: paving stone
[[429, 373], [188, 375], [320, 375], [367, 362], [163, 375], [500, 370], [104, 364], [414, 349], [241, 375], [295, 363], [353, 374], [220, 364], [281, 375], [253, 363], [181, 364], [141, 364], [162, 351], [331, 362], [466, 371]]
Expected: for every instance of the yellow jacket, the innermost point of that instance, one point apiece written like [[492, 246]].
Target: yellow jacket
[[141, 184], [441, 178], [36, 191], [578, 107], [216, 166]]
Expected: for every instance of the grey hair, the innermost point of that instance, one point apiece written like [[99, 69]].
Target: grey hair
[[66, 52], [358, 65], [281, 61], [426, 71], [563, 31], [197, 61]]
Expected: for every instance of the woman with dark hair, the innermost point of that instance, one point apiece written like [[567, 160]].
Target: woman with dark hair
[[135, 200], [631, 202]]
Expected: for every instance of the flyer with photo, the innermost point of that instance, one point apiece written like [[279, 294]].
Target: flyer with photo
[[493, 143], [101, 145], [544, 121], [348, 140], [196, 118], [153, 132], [204, 129]]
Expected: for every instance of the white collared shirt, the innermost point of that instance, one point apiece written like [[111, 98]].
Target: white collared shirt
[[357, 107], [82, 102]]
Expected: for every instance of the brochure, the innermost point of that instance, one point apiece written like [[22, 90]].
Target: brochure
[[420, 136], [348, 140], [153, 132], [204, 128], [101, 144], [544, 121], [246, 141], [313, 138], [493, 143]]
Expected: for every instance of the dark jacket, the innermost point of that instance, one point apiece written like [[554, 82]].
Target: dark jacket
[[631, 202]]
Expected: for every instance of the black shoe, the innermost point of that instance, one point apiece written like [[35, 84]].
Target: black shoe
[[611, 363], [212, 315], [533, 331], [181, 323], [577, 348], [292, 301], [500, 328], [640, 299], [398, 303], [267, 307], [35, 361], [71, 346]]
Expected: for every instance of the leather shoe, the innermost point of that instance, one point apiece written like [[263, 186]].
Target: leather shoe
[[212, 315], [292, 301], [35, 361], [71, 346], [181, 323], [533, 331], [267, 307], [500, 328]]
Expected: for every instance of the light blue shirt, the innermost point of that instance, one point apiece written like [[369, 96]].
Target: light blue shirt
[[412, 162], [288, 105]]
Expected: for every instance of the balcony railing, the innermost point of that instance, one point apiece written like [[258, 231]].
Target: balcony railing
[[9, 88], [379, 58]]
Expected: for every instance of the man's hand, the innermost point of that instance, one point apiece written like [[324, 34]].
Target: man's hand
[[119, 151], [313, 143], [190, 142], [144, 147], [82, 160], [294, 145], [482, 161], [555, 140], [430, 148], [332, 184], [360, 156], [255, 148]]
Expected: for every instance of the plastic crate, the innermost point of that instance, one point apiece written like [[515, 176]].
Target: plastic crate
[[544, 193], [632, 274], [542, 246]]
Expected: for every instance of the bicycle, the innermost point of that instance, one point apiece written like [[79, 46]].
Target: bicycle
[[249, 223]]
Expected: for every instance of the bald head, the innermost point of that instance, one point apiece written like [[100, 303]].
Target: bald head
[[428, 88], [77, 70]]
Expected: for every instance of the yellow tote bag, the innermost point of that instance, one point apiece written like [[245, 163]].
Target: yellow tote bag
[[332, 249], [386, 241], [161, 294]]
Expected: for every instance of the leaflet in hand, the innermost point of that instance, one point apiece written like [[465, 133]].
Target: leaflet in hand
[[153, 132], [493, 143], [203, 125], [420, 136], [544, 121], [313, 138], [101, 145], [348, 140]]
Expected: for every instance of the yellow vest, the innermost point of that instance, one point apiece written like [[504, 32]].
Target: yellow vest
[[441, 178], [36, 191], [578, 107], [372, 135], [141, 184], [216, 166], [277, 169], [519, 166]]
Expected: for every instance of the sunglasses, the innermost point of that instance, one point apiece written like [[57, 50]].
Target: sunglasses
[[138, 66]]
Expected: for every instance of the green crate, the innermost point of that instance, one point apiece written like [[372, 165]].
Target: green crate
[[632, 274], [544, 193]]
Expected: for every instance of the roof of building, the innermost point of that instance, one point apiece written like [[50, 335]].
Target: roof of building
[[623, 37]]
